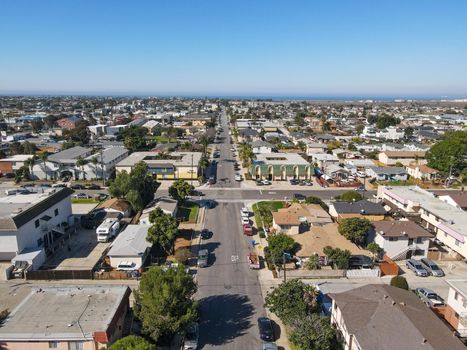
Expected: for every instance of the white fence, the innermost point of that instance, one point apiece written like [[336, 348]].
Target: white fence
[[362, 273]]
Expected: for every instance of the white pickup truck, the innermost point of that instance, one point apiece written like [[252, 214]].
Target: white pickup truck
[[429, 297]]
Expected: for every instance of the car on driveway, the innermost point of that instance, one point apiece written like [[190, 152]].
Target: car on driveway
[[266, 332], [431, 267], [416, 267], [190, 342], [429, 297]]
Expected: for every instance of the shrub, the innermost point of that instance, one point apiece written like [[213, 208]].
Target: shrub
[[313, 263], [399, 282]]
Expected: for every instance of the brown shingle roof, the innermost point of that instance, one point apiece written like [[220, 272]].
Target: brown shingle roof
[[405, 154], [386, 318], [116, 204], [398, 228]]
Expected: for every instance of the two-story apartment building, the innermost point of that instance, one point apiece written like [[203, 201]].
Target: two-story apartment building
[[456, 309], [33, 222], [402, 157], [449, 223]]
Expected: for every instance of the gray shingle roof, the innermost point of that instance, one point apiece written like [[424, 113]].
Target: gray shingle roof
[[70, 153], [360, 207], [131, 241]]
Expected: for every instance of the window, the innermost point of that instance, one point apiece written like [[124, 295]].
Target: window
[[36, 223], [456, 295], [76, 345], [458, 243], [53, 344], [392, 239], [56, 212], [39, 242], [419, 240]]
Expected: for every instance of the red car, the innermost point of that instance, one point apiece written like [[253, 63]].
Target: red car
[[247, 230]]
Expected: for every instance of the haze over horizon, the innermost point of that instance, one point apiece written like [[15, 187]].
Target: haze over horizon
[[262, 48]]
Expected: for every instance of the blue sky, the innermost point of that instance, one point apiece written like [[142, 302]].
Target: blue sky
[[251, 47]]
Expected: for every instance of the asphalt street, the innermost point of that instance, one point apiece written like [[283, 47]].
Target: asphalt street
[[228, 291]]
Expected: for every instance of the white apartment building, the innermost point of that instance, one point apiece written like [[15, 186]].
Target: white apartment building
[[447, 222], [456, 309]]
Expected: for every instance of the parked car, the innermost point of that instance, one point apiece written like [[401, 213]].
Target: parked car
[[429, 297], [266, 332], [205, 233], [361, 174], [238, 177], [247, 230], [416, 267], [212, 180], [81, 196], [360, 189], [102, 196], [190, 341], [360, 262], [299, 196], [94, 187], [203, 256], [244, 212], [266, 182], [259, 183], [293, 182], [431, 267], [126, 266], [45, 186], [308, 183], [269, 346], [77, 187], [58, 185], [245, 221]]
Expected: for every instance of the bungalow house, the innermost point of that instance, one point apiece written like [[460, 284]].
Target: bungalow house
[[400, 239], [166, 204], [130, 246], [335, 172], [360, 209], [116, 205], [248, 135], [456, 308], [422, 172], [383, 317], [402, 157], [387, 173], [261, 147], [298, 218]]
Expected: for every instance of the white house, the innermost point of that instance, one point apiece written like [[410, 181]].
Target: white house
[[260, 147], [315, 147], [400, 239], [449, 223], [456, 309], [390, 133], [422, 172], [33, 222], [323, 159], [130, 246]]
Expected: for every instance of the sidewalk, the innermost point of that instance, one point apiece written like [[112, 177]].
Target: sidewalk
[[267, 283]]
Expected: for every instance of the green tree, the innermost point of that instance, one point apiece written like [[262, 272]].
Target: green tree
[[30, 163], [180, 189], [399, 282], [132, 342], [340, 258], [313, 332], [37, 125], [354, 229], [350, 196], [80, 162], [316, 200], [374, 248], [277, 245], [292, 300], [313, 263], [245, 153], [385, 120], [408, 132], [449, 152], [134, 138], [80, 134], [235, 133], [301, 145], [138, 187], [203, 164], [164, 302], [163, 231]]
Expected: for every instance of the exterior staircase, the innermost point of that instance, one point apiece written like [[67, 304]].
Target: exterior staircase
[[403, 253]]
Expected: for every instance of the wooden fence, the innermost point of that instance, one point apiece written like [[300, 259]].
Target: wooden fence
[[59, 275]]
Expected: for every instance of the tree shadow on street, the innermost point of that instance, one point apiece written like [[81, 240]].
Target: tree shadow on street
[[224, 318]]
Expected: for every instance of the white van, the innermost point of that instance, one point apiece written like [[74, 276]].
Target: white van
[[108, 229]]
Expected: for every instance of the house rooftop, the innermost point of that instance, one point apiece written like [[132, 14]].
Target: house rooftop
[[363, 207], [404, 154], [181, 159], [406, 228], [385, 318], [70, 154], [280, 159], [459, 285], [131, 241], [18, 209], [388, 170], [58, 313]]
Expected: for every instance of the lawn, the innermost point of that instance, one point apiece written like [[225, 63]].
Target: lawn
[[263, 212], [188, 212], [83, 201]]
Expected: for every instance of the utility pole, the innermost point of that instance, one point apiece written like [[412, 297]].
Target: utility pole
[[191, 169], [102, 168]]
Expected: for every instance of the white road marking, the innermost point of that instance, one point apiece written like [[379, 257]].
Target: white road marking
[[271, 192], [260, 192]]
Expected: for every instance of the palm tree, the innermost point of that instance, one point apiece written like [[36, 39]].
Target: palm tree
[[203, 164], [80, 162], [44, 156], [235, 134], [204, 140], [245, 152], [29, 163]]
